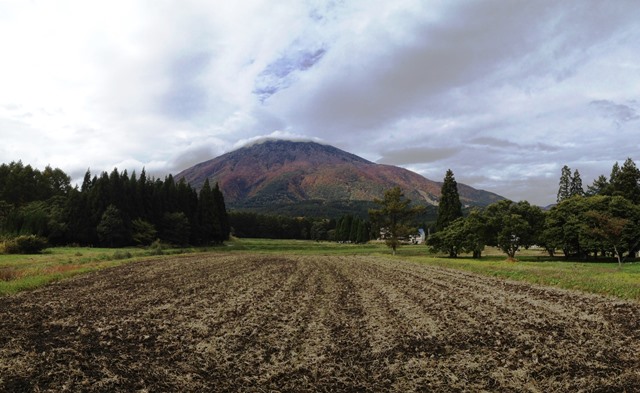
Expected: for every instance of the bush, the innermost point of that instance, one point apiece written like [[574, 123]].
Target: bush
[[121, 255], [156, 248], [28, 244]]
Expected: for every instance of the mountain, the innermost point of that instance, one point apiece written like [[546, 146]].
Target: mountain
[[279, 174]]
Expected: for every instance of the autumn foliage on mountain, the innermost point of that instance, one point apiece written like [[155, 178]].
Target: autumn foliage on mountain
[[285, 172]]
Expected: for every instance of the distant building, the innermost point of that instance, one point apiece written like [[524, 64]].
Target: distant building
[[418, 238]]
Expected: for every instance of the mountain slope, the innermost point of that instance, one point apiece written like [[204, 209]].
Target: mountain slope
[[285, 172]]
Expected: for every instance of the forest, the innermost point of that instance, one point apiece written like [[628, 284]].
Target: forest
[[112, 210], [347, 228]]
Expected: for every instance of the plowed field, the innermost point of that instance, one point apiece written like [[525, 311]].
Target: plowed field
[[256, 323]]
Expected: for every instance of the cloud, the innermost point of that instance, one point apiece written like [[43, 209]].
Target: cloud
[[276, 135], [620, 113], [497, 143], [493, 142], [185, 96], [416, 155], [377, 77], [194, 155]]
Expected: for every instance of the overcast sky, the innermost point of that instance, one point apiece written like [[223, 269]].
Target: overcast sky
[[502, 92]]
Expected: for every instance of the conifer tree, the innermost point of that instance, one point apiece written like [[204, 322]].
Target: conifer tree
[[363, 232], [626, 181], [144, 195], [222, 217], [116, 189], [206, 214], [564, 190], [600, 186], [576, 185], [344, 228], [353, 231], [175, 228], [615, 171], [450, 207], [86, 182], [170, 194], [394, 212]]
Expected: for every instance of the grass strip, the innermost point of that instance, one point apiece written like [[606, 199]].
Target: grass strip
[[25, 272], [599, 278]]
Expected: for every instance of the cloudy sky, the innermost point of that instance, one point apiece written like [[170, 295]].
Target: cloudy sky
[[503, 92]]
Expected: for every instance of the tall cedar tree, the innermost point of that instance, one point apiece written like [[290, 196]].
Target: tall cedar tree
[[207, 226], [599, 186], [450, 207], [212, 215], [564, 189], [626, 181], [221, 214], [576, 185]]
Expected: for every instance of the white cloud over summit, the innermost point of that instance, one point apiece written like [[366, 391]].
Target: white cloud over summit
[[503, 93]]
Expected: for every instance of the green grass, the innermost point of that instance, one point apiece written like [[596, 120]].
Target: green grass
[[600, 278], [301, 247], [22, 272]]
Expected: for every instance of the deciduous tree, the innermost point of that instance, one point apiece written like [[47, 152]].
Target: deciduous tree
[[464, 235], [111, 230], [609, 229], [512, 226], [144, 233]]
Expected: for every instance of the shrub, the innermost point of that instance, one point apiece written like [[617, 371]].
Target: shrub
[[156, 248], [27, 244], [121, 255]]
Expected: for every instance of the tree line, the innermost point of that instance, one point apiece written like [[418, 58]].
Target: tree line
[[346, 228], [603, 221], [113, 209]]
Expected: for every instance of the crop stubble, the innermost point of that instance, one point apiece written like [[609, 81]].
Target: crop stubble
[[312, 323]]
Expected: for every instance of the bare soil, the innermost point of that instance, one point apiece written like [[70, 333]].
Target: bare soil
[[252, 323]]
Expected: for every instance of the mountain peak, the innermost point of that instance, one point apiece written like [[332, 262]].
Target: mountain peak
[[273, 139], [276, 171], [284, 149]]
